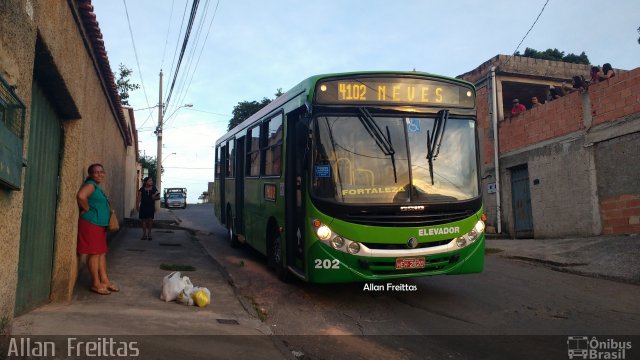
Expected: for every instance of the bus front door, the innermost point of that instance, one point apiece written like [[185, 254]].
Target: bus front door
[[297, 138]]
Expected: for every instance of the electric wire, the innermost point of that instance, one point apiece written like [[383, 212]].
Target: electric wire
[[166, 41], [194, 9], [175, 53], [525, 35], [135, 52], [215, 11], [180, 93]]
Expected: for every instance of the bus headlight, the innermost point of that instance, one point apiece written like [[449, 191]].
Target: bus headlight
[[337, 242], [353, 248], [323, 232], [471, 236]]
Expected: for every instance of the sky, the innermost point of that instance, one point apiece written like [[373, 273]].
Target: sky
[[245, 50]]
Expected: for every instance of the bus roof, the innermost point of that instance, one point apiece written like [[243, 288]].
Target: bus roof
[[304, 92]]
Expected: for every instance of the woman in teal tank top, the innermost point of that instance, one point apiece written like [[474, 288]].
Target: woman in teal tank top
[[92, 232]]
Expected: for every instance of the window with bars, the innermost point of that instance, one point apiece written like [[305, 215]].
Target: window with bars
[[12, 113]]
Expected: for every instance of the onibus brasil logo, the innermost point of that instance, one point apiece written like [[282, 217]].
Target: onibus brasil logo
[[581, 347]]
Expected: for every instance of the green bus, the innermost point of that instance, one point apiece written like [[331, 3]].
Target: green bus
[[357, 176]]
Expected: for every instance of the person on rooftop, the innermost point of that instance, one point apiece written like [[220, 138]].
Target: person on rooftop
[[535, 102], [607, 72], [517, 108]]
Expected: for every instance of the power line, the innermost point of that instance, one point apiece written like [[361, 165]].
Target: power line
[[215, 11], [181, 93], [186, 90], [135, 52], [175, 53], [525, 35], [194, 9], [166, 41]]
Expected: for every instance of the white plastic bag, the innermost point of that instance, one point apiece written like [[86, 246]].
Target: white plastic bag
[[172, 285], [185, 296]]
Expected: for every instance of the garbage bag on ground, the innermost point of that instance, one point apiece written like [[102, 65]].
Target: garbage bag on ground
[[185, 297], [173, 284], [201, 296]]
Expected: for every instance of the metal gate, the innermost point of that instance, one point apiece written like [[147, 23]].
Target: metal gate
[[521, 202], [37, 233]]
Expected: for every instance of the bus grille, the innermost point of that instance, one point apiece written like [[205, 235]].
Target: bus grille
[[404, 219], [404, 246]]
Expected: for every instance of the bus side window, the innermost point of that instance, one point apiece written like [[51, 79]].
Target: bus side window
[[231, 157], [217, 160], [253, 152], [273, 146]]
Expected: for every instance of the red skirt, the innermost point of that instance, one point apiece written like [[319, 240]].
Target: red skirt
[[92, 239]]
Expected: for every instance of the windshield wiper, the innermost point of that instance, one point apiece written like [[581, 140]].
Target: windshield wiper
[[376, 133], [434, 138]]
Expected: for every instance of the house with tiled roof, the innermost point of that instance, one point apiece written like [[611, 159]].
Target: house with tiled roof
[[59, 113]]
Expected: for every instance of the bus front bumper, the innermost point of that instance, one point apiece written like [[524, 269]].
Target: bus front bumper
[[327, 265]]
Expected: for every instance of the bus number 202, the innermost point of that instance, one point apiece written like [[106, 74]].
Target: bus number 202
[[327, 264]]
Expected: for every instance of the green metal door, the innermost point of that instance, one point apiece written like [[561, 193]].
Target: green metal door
[[37, 233]]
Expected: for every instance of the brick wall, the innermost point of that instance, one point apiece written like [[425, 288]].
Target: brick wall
[[550, 120], [485, 129], [621, 214], [616, 97]]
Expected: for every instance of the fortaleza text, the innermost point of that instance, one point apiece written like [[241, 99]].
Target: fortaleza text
[[389, 287], [101, 347]]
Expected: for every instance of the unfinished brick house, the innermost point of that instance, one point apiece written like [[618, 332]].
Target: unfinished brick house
[[566, 168]]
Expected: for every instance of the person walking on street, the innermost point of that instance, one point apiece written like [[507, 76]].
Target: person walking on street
[[146, 206], [92, 231]]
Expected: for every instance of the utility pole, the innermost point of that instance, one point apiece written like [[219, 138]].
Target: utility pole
[[159, 155]]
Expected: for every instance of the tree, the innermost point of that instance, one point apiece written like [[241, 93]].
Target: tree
[[555, 55], [123, 85], [245, 109], [151, 164]]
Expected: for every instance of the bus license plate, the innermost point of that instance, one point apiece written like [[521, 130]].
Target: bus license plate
[[410, 263]]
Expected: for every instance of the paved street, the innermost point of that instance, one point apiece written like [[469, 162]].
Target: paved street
[[516, 308], [510, 297]]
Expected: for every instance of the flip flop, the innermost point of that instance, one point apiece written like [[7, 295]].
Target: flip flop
[[113, 287], [101, 291]]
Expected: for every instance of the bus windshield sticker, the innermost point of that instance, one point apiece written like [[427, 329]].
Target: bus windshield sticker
[[270, 192], [370, 191], [323, 171], [413, 125]]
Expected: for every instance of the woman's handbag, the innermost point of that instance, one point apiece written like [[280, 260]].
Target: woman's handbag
[[113, 222]]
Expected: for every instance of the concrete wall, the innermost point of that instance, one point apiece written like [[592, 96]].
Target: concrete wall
[[93, 135], [133, 169], [16, 67]]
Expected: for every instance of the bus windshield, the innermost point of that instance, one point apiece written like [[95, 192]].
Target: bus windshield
[[363, 158]]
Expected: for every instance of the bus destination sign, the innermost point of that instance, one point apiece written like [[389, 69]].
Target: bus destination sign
[[396, 90]]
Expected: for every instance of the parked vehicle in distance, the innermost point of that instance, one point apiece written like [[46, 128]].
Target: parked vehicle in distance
[[176, 200], [171, 191]]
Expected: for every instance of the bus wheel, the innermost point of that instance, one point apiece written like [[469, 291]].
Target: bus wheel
[[233, 238], [274, 260]]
